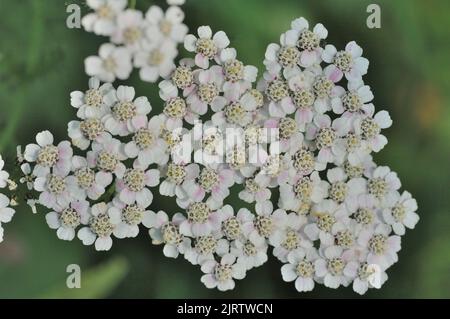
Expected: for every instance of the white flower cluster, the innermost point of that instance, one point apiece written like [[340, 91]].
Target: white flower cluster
[[147, 42], [105, 191], [339, 216], [6, 212]]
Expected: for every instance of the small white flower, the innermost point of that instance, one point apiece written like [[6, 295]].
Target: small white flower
[[214, 181], [402, 214], [164, 231], [107, 157], [103, 20], [206, 247], [112, 62], [202, 219], [326, 215], [220, 275], [28, 177], [66, 219], [147, 145], [382, 247], [4, 175], [256, 189], [127, 113], [168, 25], [349, 62], [325, 134], [301, 268], [330, 268], [132, 186], [302, 189], [292, 237], [155, 59], [6, 213], [308, 41], [365, 274], [382, 184], [268, 224], [369, 128], [91, 104], [175, 176], [249, 254], [85, 181], [130, 30], [48, 156], [54, 190], [132, 215], [207, 46], [175, 2], [84, 132], [102, 223]]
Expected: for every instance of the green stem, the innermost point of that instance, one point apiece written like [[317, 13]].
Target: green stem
[[132, 4]]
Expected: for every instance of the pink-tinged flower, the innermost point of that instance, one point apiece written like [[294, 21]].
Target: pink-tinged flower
[[202, 219], [175, 108], [48, 156], [175, 176], [288, 132], [126, 115], [85, 181], [301, 189], [103, 20], [54, 190], [382, 247], [238, 77], [370, 127], [147, 145], [209, 180], [91, 104], [354, 101], [249, 254], [402, 214], [344, 190], [383, 184], [236, 226], [207, 46], [107, 157], [164, 231], [112, 62], [349, 62], [130, 30], [132, 187], [326, 215], [364, 211], [256, 189], [66, 219], [155, 59], [267, 224], [292, 237], [102, 222], [182, 78], [207, 91], [300, 268], [132, 215], [308, 41], [166, 24], [325, 135], [84, 132], [220, 275], [330, 268], [206, 247]]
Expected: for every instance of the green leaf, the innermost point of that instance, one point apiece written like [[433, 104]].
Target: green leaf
[[97, 282]]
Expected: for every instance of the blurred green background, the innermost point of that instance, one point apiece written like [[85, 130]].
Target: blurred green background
[[41, 62]]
